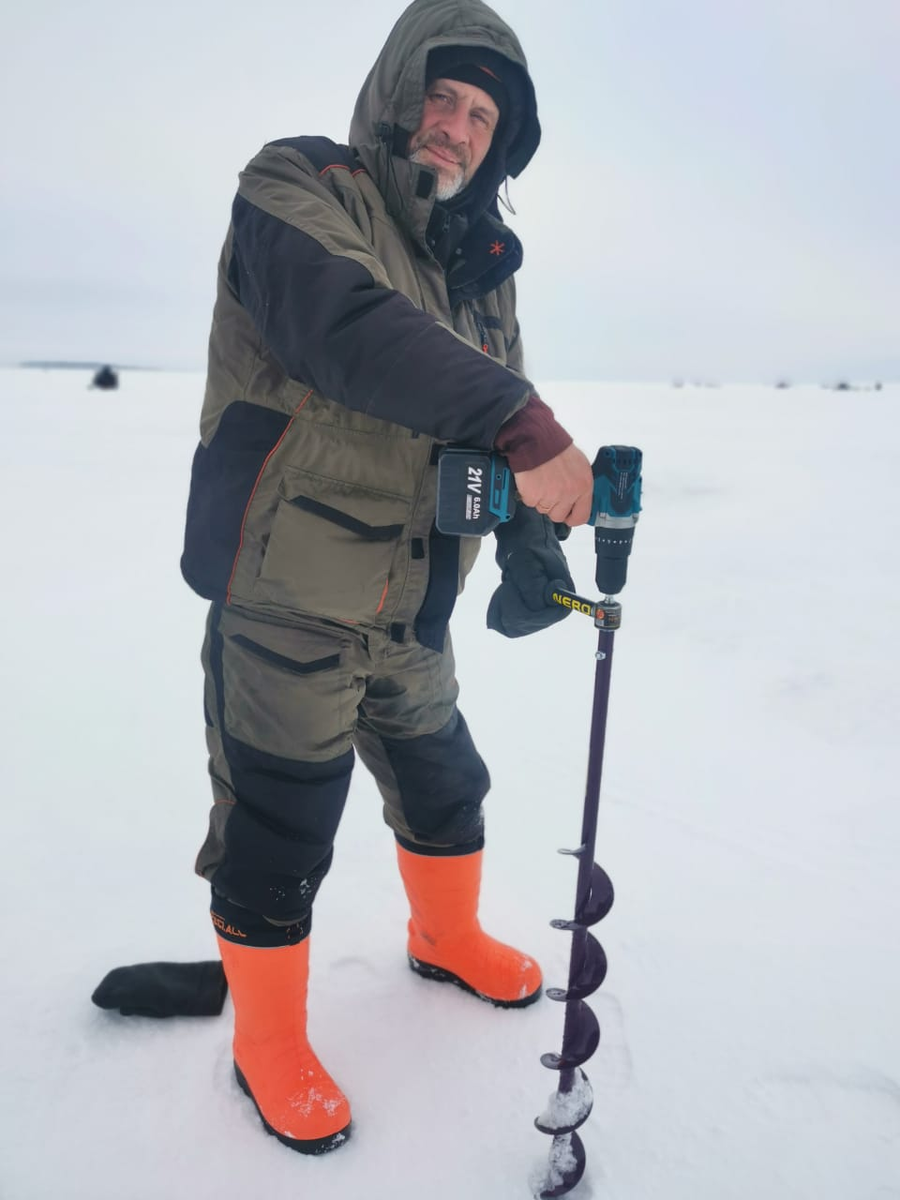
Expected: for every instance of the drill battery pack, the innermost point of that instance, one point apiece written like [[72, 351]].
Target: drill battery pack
[[474, 492]]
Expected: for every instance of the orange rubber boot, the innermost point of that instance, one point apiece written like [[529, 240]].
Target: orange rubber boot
[[447, 943], [294, 1095]]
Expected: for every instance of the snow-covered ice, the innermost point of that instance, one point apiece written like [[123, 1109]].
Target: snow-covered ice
[[749, 821]]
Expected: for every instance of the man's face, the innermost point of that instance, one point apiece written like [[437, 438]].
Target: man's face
[[458, 124]]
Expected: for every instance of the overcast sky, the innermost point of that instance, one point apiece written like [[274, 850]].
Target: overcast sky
[[716, 196]]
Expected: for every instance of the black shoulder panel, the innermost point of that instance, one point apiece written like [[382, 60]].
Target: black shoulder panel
[[363, 345], [322, 152]]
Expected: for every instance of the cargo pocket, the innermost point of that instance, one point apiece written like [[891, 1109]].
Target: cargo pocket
[[332, 548], [287, 691]]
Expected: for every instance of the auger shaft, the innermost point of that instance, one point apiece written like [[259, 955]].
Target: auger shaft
[[602, 674]]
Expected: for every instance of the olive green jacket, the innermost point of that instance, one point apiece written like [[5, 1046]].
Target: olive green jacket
[[357, 327]]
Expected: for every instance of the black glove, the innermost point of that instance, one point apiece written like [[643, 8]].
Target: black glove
[[529, 556], [164, 989]]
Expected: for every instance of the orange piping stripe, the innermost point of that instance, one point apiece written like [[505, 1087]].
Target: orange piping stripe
[[253, 493], [382, 600], [341, 167]]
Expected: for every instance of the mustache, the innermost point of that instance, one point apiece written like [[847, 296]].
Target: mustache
[[442, 142]]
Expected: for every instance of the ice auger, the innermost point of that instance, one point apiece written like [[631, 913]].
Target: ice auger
[[614, 514]]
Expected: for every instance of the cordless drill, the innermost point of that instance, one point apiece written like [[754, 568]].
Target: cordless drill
[[475, 494], [614, 512]]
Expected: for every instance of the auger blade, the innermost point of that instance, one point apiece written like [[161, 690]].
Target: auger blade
[[580, 1040], [565, 1166], [589, 973], [566, 1111], [599, 900]]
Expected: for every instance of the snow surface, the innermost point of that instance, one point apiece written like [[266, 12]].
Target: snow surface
[[749, 821]]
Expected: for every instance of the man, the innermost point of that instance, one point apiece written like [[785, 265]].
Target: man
[[365, 316]]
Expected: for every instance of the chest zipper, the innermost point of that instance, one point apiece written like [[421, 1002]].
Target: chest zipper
[[482, 332]]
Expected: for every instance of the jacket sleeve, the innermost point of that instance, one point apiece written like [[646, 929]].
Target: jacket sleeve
[[323, 303]]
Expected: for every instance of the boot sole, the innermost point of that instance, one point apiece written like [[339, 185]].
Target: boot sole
[[302, 1146], [439, 975]]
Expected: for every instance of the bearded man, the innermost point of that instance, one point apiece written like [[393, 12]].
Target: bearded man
[[365, 318]]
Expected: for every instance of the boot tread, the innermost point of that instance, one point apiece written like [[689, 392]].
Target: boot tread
[[440, 975]]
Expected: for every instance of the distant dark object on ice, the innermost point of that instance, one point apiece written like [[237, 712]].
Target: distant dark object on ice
[[105, 378], [844, 386], [783, 383]]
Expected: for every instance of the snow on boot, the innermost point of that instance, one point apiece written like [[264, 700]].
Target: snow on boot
[[294, 1095], [446, 942]]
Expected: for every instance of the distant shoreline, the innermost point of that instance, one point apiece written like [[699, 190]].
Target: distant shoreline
[[839, 384], [52, 365]]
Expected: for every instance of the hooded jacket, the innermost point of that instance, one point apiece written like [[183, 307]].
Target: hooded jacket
[[357, 327]]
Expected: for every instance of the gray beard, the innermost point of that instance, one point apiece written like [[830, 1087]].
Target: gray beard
[[452, 187], [446, 188]]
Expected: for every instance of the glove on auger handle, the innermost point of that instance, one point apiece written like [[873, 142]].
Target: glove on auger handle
[[614, 514]]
